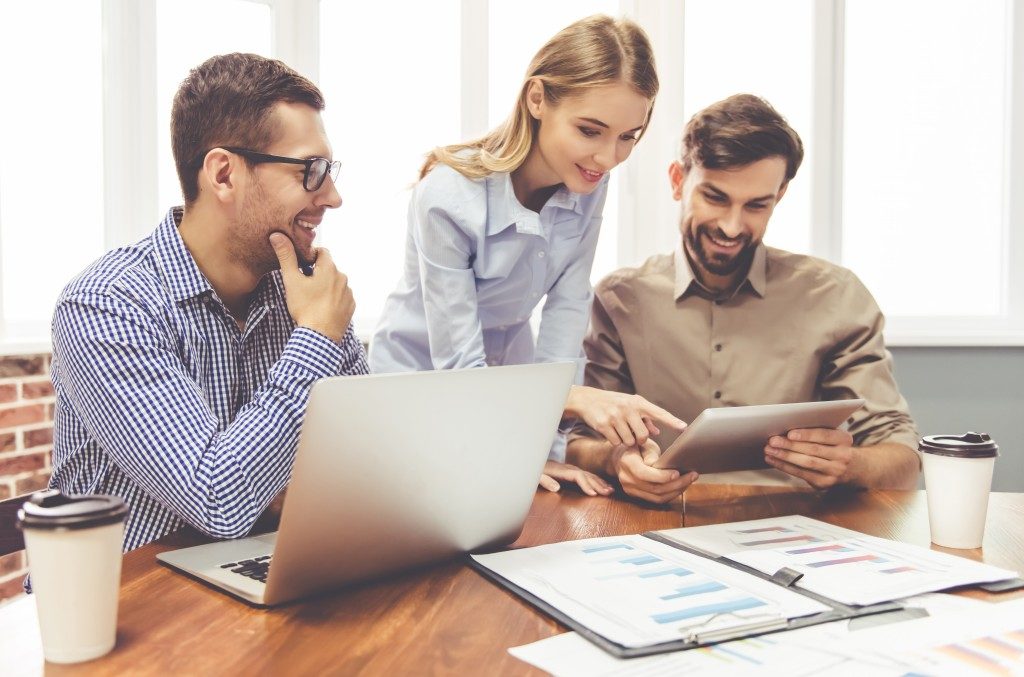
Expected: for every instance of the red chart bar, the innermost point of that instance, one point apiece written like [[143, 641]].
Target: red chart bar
[[847, 560]]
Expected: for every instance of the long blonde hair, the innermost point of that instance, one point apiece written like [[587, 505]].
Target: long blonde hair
[[591, 52]]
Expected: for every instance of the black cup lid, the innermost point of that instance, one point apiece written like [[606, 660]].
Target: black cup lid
[[52, 509], [968, 445]]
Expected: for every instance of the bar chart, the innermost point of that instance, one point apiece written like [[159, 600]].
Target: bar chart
[[637, 591]]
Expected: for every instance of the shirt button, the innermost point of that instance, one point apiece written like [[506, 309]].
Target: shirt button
[[718, 347], [718, 394], [540, 255]]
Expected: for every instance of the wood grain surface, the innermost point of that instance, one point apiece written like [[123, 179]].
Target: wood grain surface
[[443, 619]]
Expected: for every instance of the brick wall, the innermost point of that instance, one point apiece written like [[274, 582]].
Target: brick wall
[[26, 438]]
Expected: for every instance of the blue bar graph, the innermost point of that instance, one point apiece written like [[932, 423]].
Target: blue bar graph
[[678, 571], [641, 560], [699, 589], [707, 609], [602, 548]]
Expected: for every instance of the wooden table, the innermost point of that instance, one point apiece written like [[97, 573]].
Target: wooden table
[[445, 618]]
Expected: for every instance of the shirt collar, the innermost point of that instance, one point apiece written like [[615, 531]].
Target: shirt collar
[[505, 209], [757, 276], [179, 268]]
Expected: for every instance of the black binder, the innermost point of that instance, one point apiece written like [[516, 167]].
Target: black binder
[[785, 577]]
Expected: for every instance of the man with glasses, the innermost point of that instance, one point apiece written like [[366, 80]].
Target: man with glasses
[[727, 321], [182, 364]]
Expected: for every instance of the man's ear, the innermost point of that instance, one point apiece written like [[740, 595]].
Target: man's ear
[[677, 177], [782, 191], [535, 98], [219, 174]]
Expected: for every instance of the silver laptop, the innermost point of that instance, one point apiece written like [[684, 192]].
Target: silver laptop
[[394, 471]]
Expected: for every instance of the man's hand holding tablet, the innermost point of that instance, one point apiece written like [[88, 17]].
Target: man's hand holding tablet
[[819, 456], [634, 468], [800, 439]]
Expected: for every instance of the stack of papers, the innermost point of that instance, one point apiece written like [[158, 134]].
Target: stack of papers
[[843, 565], [958, 636], [638, 592]]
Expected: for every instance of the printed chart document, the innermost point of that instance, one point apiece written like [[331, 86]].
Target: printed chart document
[[843, 565], [983, 641], [830, 648], [638, 592]]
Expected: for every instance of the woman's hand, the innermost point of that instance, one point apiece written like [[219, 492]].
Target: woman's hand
[[589, 483], [621, 419]]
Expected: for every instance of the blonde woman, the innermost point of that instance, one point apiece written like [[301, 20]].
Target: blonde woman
[[499, 223]]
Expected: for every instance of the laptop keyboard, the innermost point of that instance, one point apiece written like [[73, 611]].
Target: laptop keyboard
[[255, 568]]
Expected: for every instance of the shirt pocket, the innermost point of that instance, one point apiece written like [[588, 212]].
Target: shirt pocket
[[567, 246], [502, 266]]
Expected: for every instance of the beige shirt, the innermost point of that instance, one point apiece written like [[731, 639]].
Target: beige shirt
[[797, 329]]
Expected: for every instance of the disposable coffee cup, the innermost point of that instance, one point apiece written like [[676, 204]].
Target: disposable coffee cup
[[73, 544], [957, 480]]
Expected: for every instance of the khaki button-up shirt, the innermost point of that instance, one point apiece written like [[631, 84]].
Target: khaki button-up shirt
[[797, 329]]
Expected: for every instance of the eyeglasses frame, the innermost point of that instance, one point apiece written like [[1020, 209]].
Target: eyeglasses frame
[[256, 157]]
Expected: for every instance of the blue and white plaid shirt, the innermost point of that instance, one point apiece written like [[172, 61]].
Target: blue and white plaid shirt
[[164, 401]]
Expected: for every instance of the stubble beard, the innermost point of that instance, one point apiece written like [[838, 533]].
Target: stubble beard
[[252, 245], [715, 264]]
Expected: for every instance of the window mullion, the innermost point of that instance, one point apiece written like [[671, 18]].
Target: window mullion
[[129, 120], [826, 143], [1013, 223], [296, 29], [475, 33], [648, 217]]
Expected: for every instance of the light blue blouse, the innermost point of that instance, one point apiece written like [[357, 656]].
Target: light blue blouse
[[476, 265]]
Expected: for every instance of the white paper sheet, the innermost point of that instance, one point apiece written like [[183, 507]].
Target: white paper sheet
[[840, 564], [984, 641], [820, 648], [639, 592]]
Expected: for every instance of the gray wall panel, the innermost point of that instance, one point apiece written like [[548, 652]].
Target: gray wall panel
[[953, 390]]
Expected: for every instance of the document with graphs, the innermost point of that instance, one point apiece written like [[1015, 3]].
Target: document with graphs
[[841, 564], [683, 588]]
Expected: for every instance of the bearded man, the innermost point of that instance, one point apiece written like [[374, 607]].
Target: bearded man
[[727, 321], [182, 364]]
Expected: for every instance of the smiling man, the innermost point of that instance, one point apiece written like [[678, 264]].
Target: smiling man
[[727, 321], [182, 364]]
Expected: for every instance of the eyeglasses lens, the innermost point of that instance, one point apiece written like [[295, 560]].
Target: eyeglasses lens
[[316, 174]]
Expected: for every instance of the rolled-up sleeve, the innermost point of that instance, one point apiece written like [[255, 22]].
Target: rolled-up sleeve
[[860, 366]]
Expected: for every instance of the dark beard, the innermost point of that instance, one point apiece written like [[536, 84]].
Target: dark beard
[[719, 265]]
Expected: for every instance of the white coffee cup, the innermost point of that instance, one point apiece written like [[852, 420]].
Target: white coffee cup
[[957, 480], [73, 545]]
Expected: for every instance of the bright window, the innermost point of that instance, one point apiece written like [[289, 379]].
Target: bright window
[[188, 33], [925, 154], [762, 48], [392, 96], [51, 156]]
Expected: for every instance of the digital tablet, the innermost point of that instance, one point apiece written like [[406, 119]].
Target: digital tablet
[[733, 438]]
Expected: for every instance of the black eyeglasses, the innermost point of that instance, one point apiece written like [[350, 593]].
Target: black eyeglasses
[[317, 168]]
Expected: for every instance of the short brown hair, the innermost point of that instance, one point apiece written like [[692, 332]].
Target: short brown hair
[[737, 131], [228, 100]]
